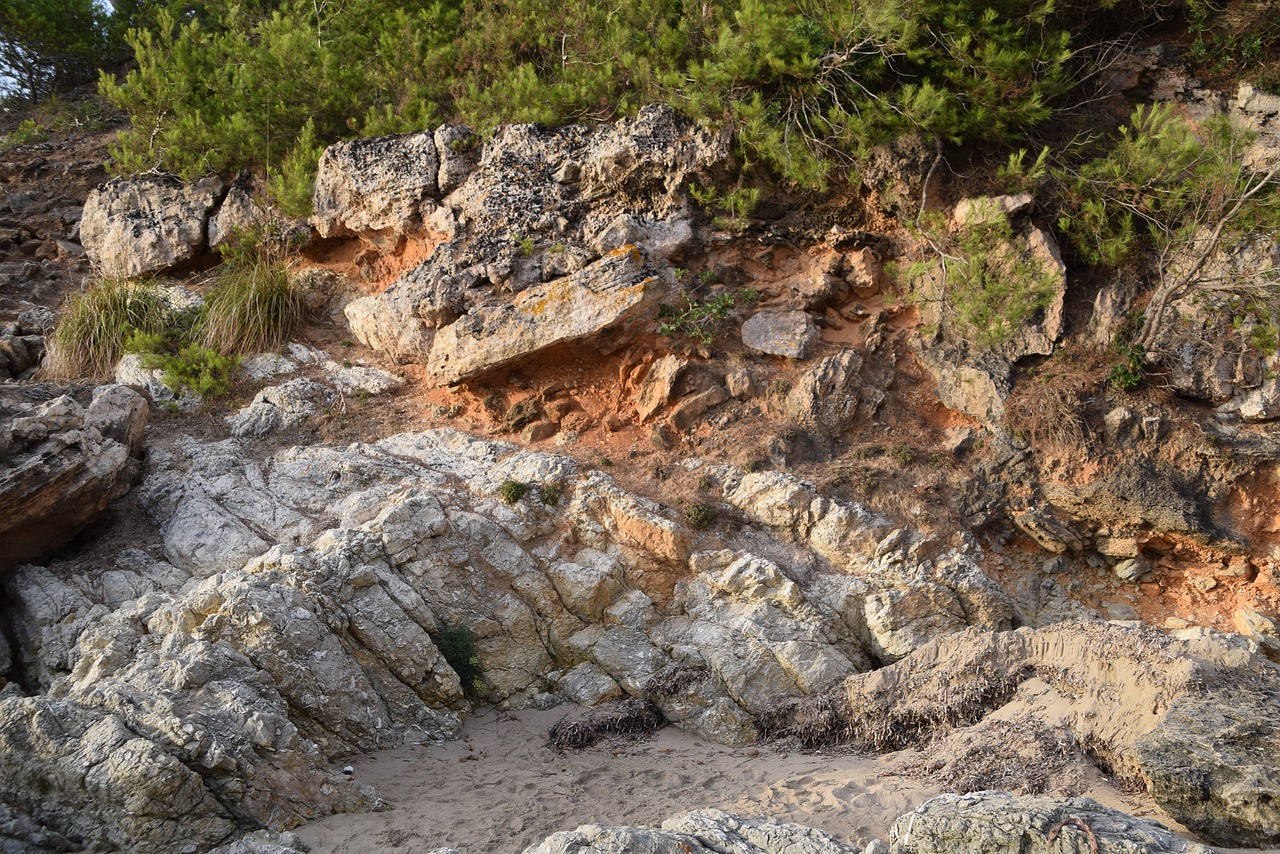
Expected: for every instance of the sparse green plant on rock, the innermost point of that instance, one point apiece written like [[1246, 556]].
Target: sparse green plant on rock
[[457, 643], [254, 306], [512, 491], [696, 319], [700, 516], [550, 494]]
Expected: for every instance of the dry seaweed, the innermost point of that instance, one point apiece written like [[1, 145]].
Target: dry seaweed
[[629, 717]]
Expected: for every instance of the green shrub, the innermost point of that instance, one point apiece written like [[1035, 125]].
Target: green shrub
[[27, 132], [550, 495], [696, 319], [700, 516], [984, 285], [903, 454], [196, 369], [94, 324], [512, 491], [457, 643]]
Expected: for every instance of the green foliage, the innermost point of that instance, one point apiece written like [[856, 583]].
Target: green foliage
[[24, 134], [732, 209], [903, 454], [292, 184], [984, 283], [696, 319], [700, 516], [94, 324], [550, 494], [193, 368], [254, 305], [808, 87], [457, 643], [512, 491], [48, 45]]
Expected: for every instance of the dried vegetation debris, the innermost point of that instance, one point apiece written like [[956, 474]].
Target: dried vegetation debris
[[631, 717]]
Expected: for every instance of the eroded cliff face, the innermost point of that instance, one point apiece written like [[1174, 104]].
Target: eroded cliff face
[[811, 513]]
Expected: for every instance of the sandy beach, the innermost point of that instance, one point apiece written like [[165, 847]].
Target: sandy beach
[[499, 788]]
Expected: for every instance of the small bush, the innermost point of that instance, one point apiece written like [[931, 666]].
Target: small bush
[[254, 307], [700, 516], [699, 320], [95, 323], [550, 495], [903, 454], [512, 491], [457, 643], [25, 134], [196, 369]]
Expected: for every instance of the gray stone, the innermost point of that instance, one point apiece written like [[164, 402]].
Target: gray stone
[[588, 685], [1213, 765], [1000, 823], [617, 290], [279, 408], [780, 333], [701, 832], [119, 413], [984, 209], [459, 152], [826, 397], [136, 226], [1131, 569], [375, 187]]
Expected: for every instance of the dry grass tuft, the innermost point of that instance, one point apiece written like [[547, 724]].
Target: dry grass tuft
[[94, 324], [254, 307]]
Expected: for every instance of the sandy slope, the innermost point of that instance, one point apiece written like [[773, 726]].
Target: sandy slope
[[498, 788]]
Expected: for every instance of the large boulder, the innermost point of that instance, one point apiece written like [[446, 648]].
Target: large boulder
[[1000, 823], [539, 208], [63, 471], [1213, 764], [613, 292], [376, 186], [701, 832], [137, 226]]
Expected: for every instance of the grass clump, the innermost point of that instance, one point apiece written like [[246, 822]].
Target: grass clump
[[96, 322], [254, 307], [512, 491], [457, 643]]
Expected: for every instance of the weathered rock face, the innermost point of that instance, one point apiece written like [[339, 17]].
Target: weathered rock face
[[550, 208], [701, 832], [1213, 765], [136, 226], [292, 619], [67, 466], [999, 823], [376, 186], [609, 293], [1137, 697]]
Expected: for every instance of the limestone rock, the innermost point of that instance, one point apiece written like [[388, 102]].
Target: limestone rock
[[373, 186], [1212, 765], [459, 152], [659, 385], [826, 397], [61, 474], [279, 408], [1000, 823], [701, 832], [780, 333], [616, 290], [136, 226], [119, 413], [133, 373]]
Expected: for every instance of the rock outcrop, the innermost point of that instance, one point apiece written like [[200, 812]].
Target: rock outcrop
[[65, 467], [293, 617], [999, 823], [376, 187], [701, 832], [543, 208], [136, 226]]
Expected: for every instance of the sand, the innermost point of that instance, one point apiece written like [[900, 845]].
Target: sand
[[498, 788]]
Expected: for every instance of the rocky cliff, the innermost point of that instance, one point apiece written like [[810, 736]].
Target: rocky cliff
[[808, 512]]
